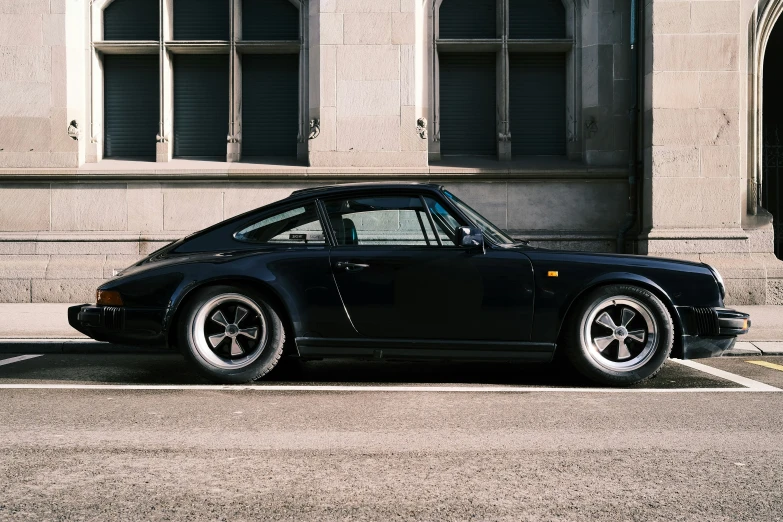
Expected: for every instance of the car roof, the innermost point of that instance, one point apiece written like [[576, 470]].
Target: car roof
[[330, 190]]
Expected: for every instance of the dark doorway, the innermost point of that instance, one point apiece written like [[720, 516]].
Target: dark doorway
[[772, 121]]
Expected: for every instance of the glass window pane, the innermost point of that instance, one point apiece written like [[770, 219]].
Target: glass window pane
[[270, 104], [386, 220], [200, 105], [468, 19], [467, 104], [201, 19], [131, 94], [298, 226], [536, 19], [269, 20], [537, 104], [132, 20]]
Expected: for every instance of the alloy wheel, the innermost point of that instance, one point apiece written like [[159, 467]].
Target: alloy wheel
[[229, 331], [620, 333]]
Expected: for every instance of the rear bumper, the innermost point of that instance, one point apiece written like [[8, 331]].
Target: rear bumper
[[708, 332], [143, 326]]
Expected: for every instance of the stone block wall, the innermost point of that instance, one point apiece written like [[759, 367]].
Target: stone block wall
[[34, 114], [364, 89]]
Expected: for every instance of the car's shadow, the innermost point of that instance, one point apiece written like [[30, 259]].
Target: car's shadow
[[171, 368]]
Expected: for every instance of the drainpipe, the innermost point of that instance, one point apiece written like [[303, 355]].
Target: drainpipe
[[633, 117]]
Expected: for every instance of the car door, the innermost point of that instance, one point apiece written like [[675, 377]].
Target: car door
[[401, 276]]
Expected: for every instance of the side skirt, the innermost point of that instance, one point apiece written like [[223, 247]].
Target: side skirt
[[424, 349]]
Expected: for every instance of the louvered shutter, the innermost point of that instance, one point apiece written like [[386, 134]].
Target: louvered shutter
[[201, 19], [538, 92], [269, 20], [131, 20], [468, 19], [467, 103], [131, 105], [529, 19], [270, 106], [200, 105]]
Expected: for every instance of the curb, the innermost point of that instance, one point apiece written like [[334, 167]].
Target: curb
[[72, 346]]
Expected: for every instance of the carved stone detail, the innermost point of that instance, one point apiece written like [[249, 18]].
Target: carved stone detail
[[315, 128], [73, 130], [421, 128]]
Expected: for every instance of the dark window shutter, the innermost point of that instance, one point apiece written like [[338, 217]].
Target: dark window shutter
[[201, 19], [467, 103], [468, 19], [270, 104], [538, 95], [131, 98], [131, 20], [269, 20], [200, 105], [536, 19]]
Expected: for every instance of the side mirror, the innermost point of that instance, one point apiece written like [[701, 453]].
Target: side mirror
[[470, 237]]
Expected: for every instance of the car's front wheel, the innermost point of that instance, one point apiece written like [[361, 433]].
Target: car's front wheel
[[620, 335], [231, 335]]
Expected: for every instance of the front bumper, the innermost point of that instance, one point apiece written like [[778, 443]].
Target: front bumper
[[117, 324], [708, 332]]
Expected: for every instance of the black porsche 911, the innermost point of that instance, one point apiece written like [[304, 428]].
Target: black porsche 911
[[404, 271]]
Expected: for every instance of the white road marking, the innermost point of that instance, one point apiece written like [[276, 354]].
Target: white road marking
[[744, 381], [20, 358], [380, 388]]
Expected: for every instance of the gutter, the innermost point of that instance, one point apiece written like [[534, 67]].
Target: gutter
[[632, 212]]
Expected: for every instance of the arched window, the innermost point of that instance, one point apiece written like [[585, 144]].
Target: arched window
[[218, 78], [502, 77]]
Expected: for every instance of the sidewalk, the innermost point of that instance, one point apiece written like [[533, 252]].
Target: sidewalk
[[28, 324]]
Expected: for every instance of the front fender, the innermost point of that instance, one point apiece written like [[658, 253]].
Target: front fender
[[614, 278]]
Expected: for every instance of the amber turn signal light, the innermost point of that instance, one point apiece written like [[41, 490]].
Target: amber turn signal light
[[552, 273], [109, 298]]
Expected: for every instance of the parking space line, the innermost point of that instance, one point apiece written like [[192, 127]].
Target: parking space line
[[750, 384], [378, 388], [766, 364], [19, 358]]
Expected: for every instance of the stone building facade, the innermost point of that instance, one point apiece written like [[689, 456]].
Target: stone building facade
[[603, 125]]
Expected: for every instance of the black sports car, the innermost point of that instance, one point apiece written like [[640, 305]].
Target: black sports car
[[398, 270]]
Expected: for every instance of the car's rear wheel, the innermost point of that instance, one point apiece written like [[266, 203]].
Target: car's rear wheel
[[231, 335], [620, 335]]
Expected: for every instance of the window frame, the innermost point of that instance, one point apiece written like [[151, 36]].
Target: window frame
[[503, 46], [166, 47]]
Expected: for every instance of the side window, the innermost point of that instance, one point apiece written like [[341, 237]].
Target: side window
[[381, 220], [298, 225]]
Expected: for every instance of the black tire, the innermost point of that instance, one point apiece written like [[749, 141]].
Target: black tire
[[254, 358], [614, 365]]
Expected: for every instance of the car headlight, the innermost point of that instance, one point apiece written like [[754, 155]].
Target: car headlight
[[719, 280]]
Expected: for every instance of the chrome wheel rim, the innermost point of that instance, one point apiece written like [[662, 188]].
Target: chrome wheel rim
[[229, 331], [620, 333]]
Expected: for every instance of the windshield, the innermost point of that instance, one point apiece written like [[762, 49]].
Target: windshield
[[495, 235]]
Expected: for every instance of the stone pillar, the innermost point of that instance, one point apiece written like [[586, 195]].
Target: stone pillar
[[605, 83], [692, 203], [363, 84]]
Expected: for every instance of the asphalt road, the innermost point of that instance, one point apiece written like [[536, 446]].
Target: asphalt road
[[663, 451]]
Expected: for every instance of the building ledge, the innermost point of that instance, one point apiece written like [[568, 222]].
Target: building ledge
[[273, 169]]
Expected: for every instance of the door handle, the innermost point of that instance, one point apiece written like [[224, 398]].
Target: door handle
[[350, 267]]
